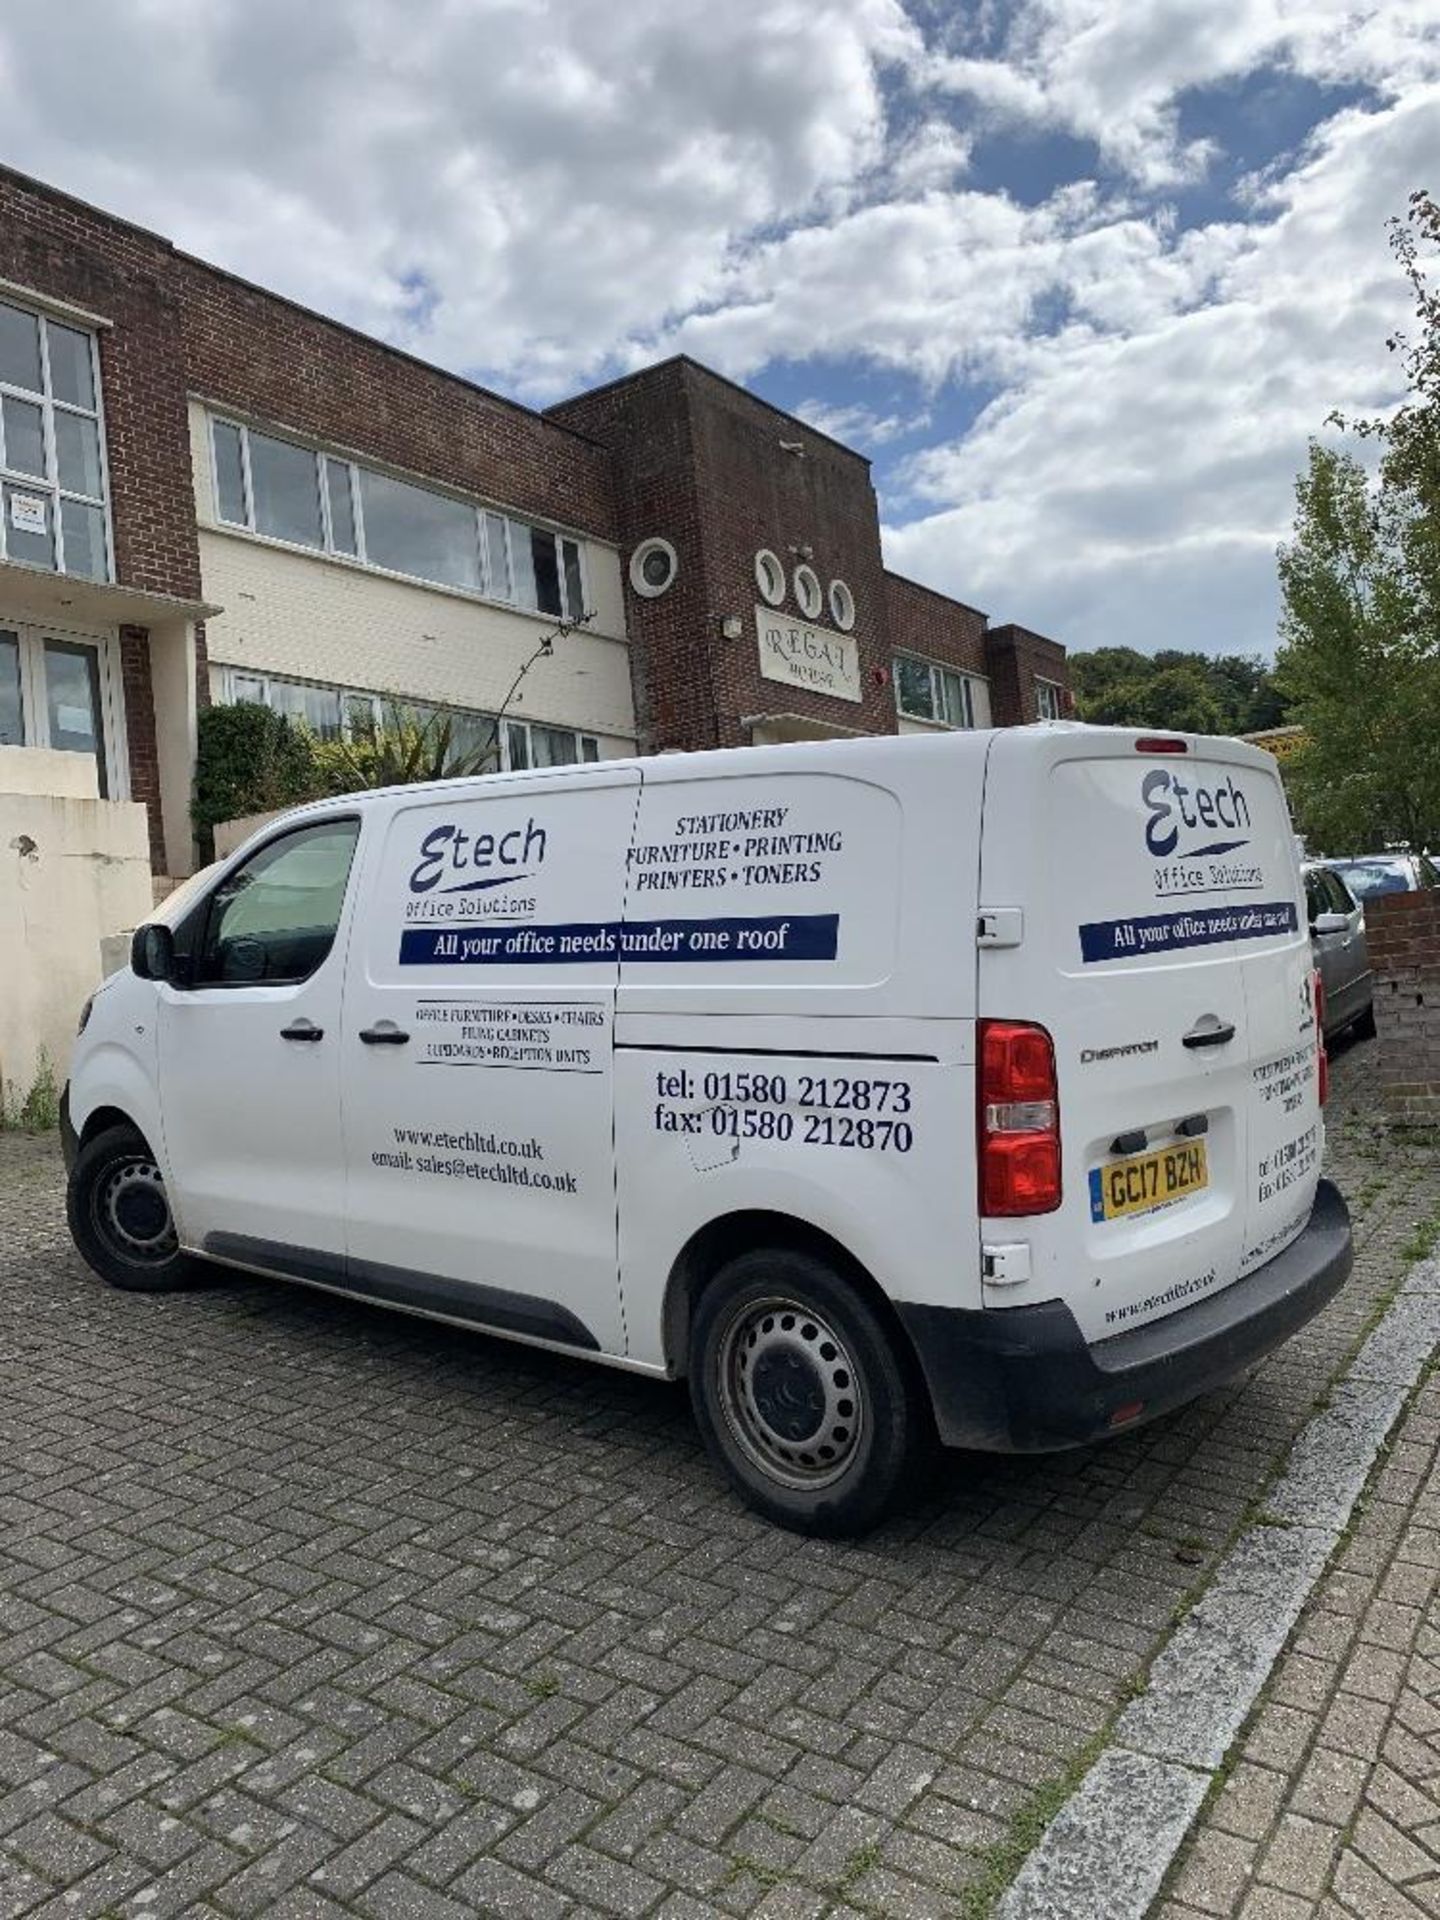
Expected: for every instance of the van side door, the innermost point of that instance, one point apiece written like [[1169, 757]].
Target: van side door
[[250, 1052], [477, 1055]]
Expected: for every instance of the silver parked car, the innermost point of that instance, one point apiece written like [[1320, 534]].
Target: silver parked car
[[1337, 934], [1376, 873]]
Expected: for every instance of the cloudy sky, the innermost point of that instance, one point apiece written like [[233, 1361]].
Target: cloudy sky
[[1079, 275]]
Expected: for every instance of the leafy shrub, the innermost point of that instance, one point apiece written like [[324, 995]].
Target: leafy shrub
[[39, 1110], [408, 747], [250, 760]]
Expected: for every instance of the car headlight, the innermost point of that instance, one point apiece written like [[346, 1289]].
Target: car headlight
[[85, 1016]]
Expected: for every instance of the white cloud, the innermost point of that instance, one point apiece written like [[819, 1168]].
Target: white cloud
[[1135, 483], [1114, 73], [859, 426], [558, 175], [543, 190]]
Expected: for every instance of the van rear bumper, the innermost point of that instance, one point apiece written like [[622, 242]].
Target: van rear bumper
[[1024, 1380]]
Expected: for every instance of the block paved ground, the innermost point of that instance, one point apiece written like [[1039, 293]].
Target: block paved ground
[[1333, 1804], [308, 1610]]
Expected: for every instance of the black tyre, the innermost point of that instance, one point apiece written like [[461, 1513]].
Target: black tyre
[[1364, 1027], [802, 1393], [120, 1215]]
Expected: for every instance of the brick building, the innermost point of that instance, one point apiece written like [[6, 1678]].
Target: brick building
[[209, 493]]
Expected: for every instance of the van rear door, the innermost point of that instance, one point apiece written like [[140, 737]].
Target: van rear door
[[1163, 943]]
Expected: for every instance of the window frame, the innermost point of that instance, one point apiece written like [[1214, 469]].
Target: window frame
[[770, 581], [1054, 691], [50, 486], [194, 932], [378, 701], [809, 593], [114, 776], [324, 457], [936, 668]]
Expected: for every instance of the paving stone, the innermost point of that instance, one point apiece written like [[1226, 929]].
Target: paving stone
[[1299, 1857], [1248, 1803], [1118, 1831], [1217, 1873], [1357, 1832], [382, 1599], [1330, 1786]]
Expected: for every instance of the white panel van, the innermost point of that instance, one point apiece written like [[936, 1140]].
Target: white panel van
[[963, 1087]]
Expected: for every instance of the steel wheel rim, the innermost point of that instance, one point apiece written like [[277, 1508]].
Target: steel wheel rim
[[132, 1212], [789, 1393]]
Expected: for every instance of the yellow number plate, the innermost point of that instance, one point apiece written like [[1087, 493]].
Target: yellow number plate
[[1147, 1180]]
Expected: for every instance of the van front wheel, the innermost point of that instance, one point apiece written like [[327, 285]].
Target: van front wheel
[[800, 1393], [120, 1216]]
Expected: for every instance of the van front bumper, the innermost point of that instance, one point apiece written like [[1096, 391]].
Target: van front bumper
[[1024, 1379]]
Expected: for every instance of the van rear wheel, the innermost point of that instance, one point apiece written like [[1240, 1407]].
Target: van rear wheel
[[801, 1393], [120, 1218]]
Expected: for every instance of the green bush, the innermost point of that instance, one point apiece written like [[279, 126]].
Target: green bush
[[411, 745], [250, 760]]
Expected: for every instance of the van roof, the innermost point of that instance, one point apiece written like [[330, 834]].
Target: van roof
[[851, 753]]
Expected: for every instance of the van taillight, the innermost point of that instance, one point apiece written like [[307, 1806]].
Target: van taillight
[[1323, 1065], [1161, 743], [1018, 1112]]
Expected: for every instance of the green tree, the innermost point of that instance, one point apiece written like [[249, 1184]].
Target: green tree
[[1175, 690], [1360, 583]]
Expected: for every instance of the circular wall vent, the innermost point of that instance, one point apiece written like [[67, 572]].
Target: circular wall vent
[[654, 566]]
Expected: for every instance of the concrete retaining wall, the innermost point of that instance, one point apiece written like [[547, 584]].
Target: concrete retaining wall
[[74, 873]]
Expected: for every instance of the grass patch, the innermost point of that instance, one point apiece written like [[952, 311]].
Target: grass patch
[[37, 1111], [857, 1866], [1263, 1517], [743, 1863], [1423, 1241], [543, 1686], [1000, 1863]]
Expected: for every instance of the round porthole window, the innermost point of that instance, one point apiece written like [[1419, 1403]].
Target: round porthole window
[[807, 592], [653, 567], [769, 577], [842, 605]]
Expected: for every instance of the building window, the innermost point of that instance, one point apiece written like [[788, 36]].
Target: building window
[[348, 713], [285, 491], [926, 691], [61, 691], [769, 577], [653, 567], [528, 744], [842, 605], [1049, 700], [808, 597], [52, 459]]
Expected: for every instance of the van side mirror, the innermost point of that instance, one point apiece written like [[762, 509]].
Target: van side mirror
[[152, 952], [1330, 923]]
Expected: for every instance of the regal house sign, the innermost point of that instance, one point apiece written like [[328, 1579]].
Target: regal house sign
[[805, 656]]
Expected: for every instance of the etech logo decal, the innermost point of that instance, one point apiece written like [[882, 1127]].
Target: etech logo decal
[[448, 852], [1178, 806]]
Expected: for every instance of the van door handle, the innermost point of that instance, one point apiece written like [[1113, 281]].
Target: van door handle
[[1209, 1036], [302, 1029], [384, 1033]]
